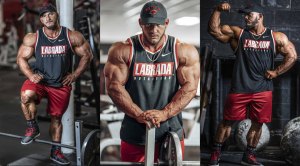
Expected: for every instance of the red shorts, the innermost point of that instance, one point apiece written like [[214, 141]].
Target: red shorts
[[136, 153], [58, 98], [259, 104]]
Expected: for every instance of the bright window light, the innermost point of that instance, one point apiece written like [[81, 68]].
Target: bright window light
[[187, 21]]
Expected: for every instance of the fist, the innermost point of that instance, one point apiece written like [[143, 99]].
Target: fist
[[271, 74], [224, 7]]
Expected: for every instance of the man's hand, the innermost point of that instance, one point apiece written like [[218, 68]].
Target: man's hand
[[155, 116], [271, 74], [142, 119], [224, 7], [36, 78], [69, 78]]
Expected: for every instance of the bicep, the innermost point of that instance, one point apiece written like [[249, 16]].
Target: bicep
[[115, 70], [83, 49], [189, 68], [225, 34], [80, 46], [115, 73], [25, 52], [284, 46]]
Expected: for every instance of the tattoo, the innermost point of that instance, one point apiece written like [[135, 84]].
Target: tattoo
[[286, 65]]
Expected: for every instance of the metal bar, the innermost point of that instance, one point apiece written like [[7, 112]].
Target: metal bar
[[38, 140], [150, 146], [119, 163], [78, 127]]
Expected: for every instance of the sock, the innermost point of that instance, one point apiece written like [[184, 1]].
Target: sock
[[31, 123], [55, 147], [250, 149], [217, 146]]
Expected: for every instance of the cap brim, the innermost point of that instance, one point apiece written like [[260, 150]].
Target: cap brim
[[245, 11], [45, 11], [153, 21]]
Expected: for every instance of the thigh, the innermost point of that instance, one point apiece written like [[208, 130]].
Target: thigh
[[261, 107], [58, 100], [136, 153], [236, 106], [32, 91]]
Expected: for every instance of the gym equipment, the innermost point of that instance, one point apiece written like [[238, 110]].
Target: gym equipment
[[90, 149], [171, 153], [241, 133], [290, 141], [88, 153], [88, 79]]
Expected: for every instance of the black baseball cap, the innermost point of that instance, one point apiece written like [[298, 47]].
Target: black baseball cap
[[47, 8], [153, 13], [252, 8]]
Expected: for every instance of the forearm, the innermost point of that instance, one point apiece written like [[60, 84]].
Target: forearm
[[287, 63], [25, 68], [83, 64], [215, 23], [181, 99], [122, 100]]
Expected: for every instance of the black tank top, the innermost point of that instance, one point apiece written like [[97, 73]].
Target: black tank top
[[254, 56], [53, 57], [151, 84]]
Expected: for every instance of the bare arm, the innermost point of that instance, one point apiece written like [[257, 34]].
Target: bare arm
[[287, 49], [26, 51], [81, 48], [223, 33], [116, 73], [188, 73]]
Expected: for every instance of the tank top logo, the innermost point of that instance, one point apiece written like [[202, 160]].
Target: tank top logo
[[248, 43], [153, 70], [59, 50]]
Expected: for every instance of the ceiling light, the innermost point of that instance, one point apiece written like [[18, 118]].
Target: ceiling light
[[187, 21]]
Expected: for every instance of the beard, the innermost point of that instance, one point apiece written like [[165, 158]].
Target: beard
[[252, 24]]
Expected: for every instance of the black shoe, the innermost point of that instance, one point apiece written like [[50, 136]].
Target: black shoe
[[30, 134], [250, 160], [58, 157], [214, 158]]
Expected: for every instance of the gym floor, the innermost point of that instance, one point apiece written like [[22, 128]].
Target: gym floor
[[12, 121]]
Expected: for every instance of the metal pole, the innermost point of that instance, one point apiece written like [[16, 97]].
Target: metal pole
[[2, 24], [119, 163], [38, 140], [150, 146], [78, 127], [66, 19]]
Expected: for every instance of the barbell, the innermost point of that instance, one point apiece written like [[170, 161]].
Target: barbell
[[85, 154]]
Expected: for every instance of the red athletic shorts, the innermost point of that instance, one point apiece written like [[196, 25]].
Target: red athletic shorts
[[58, 98], [136, 153], [259, 105]]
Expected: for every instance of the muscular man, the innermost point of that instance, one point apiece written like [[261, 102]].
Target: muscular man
[[255, 47], [51, 77], [143, 76]]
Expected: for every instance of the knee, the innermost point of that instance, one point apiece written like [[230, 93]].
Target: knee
[[56, 119], [27, 97]]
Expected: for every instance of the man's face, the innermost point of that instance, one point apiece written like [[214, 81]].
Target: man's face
[[251, 19], [49, 19], [153, 33]]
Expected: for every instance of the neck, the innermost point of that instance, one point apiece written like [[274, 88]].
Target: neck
[[258, 30], [53, 32], [153, 47]]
